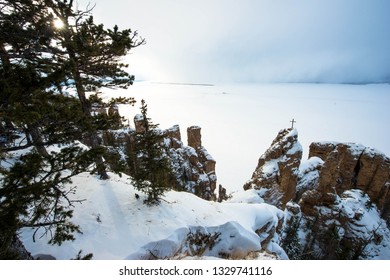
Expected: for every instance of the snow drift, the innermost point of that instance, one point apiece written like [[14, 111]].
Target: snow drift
[[117, 225]]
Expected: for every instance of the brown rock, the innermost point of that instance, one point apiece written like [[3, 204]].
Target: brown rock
[[340, 168], [139, 123], [194, 137], [222, 195], [373, 173], [321, 149], [174, 132], [278, 169], [194, 166], [352, 166], [293, 208], [174, 136]]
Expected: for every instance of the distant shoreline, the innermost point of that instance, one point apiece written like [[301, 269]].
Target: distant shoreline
[[184, 84]]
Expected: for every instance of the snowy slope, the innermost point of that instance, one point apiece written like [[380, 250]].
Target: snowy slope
[[116, 225]]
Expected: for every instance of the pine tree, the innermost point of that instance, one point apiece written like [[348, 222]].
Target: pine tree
[[290, 241], [151, 172], [33, 116], [92, 55], [25, 71], [36, 112]]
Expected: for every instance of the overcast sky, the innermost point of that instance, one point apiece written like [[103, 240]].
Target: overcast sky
[[215, 41]]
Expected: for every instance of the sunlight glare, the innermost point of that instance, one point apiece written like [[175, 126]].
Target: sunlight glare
[[58, 23]]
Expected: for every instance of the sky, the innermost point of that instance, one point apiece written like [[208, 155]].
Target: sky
[[224, 41]]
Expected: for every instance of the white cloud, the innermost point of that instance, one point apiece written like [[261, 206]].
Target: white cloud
[[257, 40]]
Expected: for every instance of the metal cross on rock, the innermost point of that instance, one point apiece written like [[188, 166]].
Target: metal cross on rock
[[292, 123]]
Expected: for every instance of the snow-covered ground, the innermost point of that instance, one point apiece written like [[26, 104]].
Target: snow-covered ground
[[239, 121], [116, 225]]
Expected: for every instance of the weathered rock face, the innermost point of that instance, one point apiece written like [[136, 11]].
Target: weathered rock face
[[332, 169], [278, 168], [352, 166], [194, 137], [348, 227], [340, 165], [336, 200], [193, 165], [139, 123], [352, 184]]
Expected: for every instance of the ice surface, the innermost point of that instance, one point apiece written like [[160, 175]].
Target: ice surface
[[240, 121]]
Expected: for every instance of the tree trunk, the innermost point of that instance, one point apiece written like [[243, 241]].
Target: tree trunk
[[37, 142], [4, 57], [34, 132], [92, 136]]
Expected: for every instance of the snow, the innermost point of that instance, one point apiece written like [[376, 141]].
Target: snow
[[240, 121], [310, 164], [296, 148], [238, 124], [234, 241], [138, 117], [270, 167], [116, 225], [249, 196], [356, 148], [367, 222]]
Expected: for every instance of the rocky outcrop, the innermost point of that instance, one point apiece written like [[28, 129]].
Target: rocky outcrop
[[350, 166], [277, 171], [340, 165], [347, 227], [336, 202], [344, 208], [332, 169], [194, 137], [139, 123], [193, 166]]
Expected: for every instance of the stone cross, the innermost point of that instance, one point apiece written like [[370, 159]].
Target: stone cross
[[292, 123]]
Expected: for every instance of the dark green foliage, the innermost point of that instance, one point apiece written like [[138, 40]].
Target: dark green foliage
[[34, 195], [291, 242], [91, 59], [337, 238], [115, 161], [108, 120], [38, 64], [80, 257], [323, 239], [13, 249], [150, 168]]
